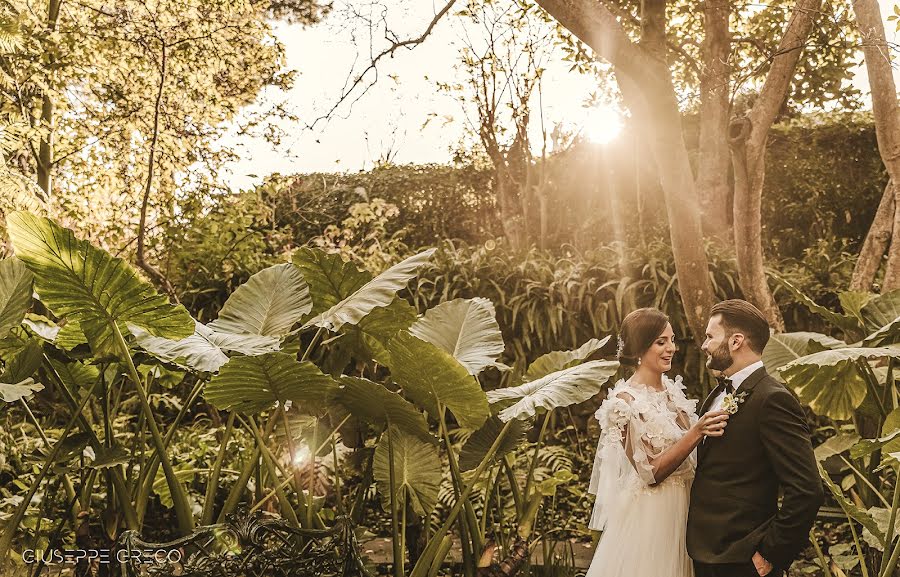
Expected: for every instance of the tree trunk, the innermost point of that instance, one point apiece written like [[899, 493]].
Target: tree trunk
[[510, 209], [677, 181], [45, 152], [892, 269], [748, 137], [748, 179], [646, 84], [887, 124], [712, 169], [876, 243]]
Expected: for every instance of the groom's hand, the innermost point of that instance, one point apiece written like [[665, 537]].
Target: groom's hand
[[763, 567]]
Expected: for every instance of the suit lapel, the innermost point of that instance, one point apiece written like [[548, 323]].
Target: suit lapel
[[747, 386], [708, 401], [751, 381]]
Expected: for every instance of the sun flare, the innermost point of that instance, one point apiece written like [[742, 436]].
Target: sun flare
[[603, 124]]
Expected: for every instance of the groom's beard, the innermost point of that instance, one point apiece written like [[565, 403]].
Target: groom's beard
[[720, 359]]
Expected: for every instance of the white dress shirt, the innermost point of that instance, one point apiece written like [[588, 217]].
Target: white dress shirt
[[736, 380]]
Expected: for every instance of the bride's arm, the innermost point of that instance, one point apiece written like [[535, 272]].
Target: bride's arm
[[712, 424], [660, 466]]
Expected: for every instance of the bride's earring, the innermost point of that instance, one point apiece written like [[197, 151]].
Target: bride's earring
[[639, 362]]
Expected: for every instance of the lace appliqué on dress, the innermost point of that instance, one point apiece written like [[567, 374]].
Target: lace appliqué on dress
[[637, 424]]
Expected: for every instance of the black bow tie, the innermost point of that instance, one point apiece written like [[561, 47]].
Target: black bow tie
[[725, 385]]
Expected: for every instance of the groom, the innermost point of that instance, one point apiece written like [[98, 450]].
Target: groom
[[736, 527]]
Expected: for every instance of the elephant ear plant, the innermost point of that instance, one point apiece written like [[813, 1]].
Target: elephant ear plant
[[851, 381], [301, 355]]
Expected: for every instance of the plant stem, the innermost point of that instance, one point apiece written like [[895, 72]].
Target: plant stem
[[859, 553], [819, 553], [889, 534], [295, 472], [116, 472], [153, 465], [179, 497], [237, 490], [10, 529], [312, 343], [213, 482], [70, 490], [471, 520], [269, 461], [529, 480], [865, 480], [486, 511], [513, 484], [424, 562], [396, 542], [312, 477], [288, 481], [872, 384], [339, 499]]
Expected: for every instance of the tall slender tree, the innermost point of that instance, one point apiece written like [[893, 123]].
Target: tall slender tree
[[885, 229]]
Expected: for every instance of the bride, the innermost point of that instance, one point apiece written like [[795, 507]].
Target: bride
[[645, 458]]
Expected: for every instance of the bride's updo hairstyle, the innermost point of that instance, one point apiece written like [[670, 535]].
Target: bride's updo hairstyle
[[638, 331]]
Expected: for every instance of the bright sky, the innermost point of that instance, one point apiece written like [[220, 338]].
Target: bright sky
[[391, 115]]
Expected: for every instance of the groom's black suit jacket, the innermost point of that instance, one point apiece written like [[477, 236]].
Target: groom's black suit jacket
[[734, 508]]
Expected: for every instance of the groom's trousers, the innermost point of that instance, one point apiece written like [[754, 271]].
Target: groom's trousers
[[730, 570]]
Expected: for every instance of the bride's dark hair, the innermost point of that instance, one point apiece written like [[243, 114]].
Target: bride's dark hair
[[638, 331]]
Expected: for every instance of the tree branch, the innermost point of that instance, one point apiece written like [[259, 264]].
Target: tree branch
[[778, 81], [373, 66], [141, 258]]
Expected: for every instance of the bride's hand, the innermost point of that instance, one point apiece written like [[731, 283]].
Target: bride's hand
[[712, 424]]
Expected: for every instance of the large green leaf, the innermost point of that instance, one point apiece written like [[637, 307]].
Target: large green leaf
[[373, 403], [560, 389], [205, 349], [330, 278], [417, 470], [881, 309], [268, 304], [378, 292], [558, 360], [786, 347], [70, 335], [882, 518], [429, 374], [465, 328], [479, 443], [254, 384], [881, 316], [15, 293], [24, 363], [889, 334], [83, 283], [853, 302], [371, 335], [76, 375], [844, 322], [13, 342], [865, 447], [891, 424], [12, 392], [863, 517], [829, 381], [836, 445], [107, 457]]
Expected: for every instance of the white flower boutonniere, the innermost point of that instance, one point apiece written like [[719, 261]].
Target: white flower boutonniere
[[731, 402]]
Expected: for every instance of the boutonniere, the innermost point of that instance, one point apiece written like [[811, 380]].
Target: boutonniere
[[731, 403]]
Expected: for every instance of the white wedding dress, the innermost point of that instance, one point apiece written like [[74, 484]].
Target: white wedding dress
[[643, 524]]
